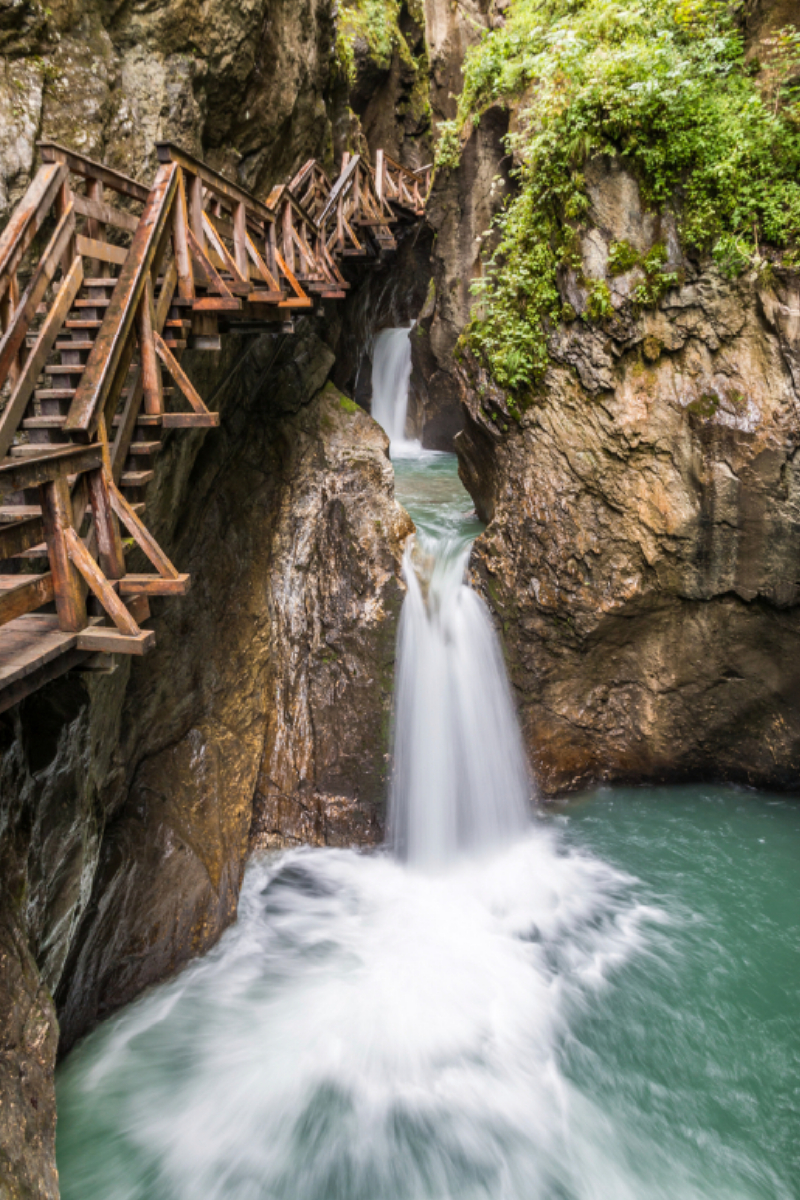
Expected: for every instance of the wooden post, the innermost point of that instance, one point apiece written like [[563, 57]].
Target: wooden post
[[67, 586], [288, 240], [379, 174], [109, 542], [151, 371], [240, 239], [63, 202], [196, 210], [180, 241]]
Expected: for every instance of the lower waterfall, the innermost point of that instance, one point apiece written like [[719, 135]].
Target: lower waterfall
[[512, 1005]]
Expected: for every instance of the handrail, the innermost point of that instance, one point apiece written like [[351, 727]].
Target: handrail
[[338, 188], [104, 360], [27, 219], [89, 169], [216, 183]]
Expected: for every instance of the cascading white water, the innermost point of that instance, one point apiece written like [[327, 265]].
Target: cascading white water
[[460, 780], [391, 372]]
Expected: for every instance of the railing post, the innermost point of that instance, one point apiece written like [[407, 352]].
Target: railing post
[[67, 585], [240, 239], [196, 210], [379, 174], [180, 242], [151, 370]]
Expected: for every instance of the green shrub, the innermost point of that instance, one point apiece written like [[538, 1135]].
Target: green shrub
[[662, 86]]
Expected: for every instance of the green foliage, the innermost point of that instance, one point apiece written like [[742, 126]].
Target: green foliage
[[621, 258], [663, 86], [377, 23], [448, 146], [657, 281], [598, 301]]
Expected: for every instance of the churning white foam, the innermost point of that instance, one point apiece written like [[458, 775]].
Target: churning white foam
[[367, 1032]]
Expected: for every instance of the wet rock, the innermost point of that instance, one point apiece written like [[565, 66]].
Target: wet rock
[[645, 523]]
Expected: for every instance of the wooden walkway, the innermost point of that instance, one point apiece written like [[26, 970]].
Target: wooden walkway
[[104, 283]]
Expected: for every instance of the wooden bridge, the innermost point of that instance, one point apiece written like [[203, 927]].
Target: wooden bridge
[[104, 283]]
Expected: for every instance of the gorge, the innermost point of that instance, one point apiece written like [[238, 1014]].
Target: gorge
[[489, 910]]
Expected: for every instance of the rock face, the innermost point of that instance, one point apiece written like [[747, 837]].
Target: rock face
[[645, 523], [241, 83]]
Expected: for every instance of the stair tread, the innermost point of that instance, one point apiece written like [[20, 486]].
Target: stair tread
[[101, 281], [144, 447], [51, 422], [136, 478], [54, 393], [65, 369], [90, 323], [74, 345], [97, 303]]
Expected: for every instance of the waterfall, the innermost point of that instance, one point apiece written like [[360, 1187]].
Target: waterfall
[[460, 782], [391, 372]]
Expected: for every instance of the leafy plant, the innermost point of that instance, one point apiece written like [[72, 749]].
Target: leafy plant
[[663, 86], [598, 302]]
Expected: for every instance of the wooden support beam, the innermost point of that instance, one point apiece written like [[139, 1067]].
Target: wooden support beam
[[51, 327], [68, 593], [27, 218], [261, 266], [222, 250], [141, 535], [179, 375], [301, 300], [98, 583]]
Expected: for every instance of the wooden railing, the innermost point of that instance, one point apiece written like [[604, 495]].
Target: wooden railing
[[104, 283]]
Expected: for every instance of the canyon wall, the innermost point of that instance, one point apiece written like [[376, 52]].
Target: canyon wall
[[130, 800]]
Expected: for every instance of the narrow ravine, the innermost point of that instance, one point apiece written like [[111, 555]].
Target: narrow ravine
[[597, 1003]]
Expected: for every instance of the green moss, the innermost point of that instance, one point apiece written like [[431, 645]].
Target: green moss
[[377, 23], [705, 406], [598, 302], [621, 258], [665, 88], [348, 405]]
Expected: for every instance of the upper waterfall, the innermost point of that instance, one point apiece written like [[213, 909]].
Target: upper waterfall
[[391, 373]]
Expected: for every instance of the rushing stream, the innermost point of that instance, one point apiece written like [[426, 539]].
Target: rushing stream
[[600, 1003]]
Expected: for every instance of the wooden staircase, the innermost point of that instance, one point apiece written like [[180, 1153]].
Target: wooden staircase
[[104, 285]]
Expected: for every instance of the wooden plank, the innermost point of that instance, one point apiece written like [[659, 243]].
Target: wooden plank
[[191, 420], [21, 536], [68, 593], [217, 304], [104, 213], [153, 585], [98, 583], [71, 460], [112, 641], [30, 593], [240, 238], [27, 218], [81, 165], [17, 402], [141, 535], [179, 375], [42, 276], [104, 251], [115, 332]]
